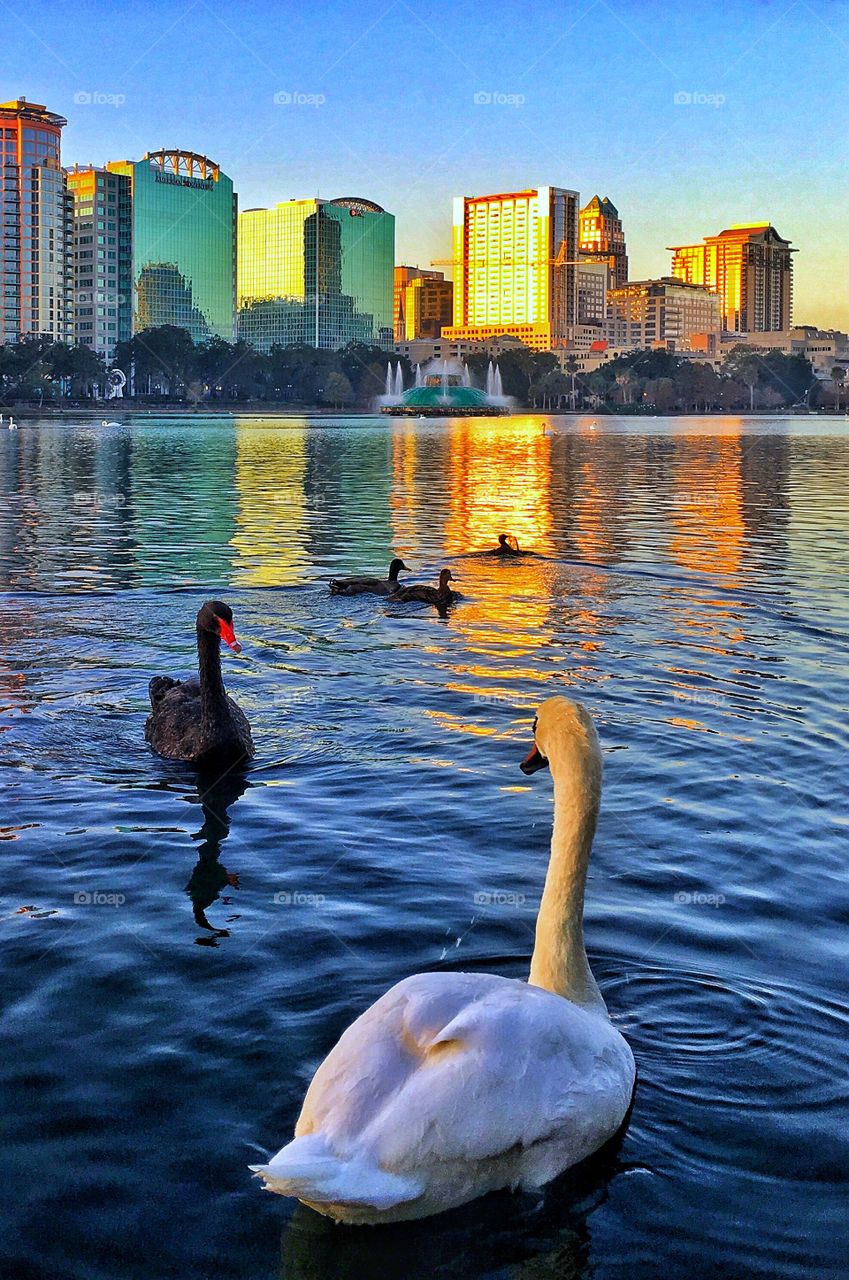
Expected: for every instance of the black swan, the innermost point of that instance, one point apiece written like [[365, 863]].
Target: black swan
[[194, 719], [362, 584], [441, 595]]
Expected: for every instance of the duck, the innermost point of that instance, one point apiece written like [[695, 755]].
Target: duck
[[362, 584], [194, 719], [508, 545], [417, 591], [453, 1085]]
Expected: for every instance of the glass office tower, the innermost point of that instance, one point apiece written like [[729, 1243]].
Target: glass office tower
[[184, 243], [103, 258], [35, 225], [318, 272]]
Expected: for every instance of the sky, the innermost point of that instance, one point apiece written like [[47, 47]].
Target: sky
[[690, 117]]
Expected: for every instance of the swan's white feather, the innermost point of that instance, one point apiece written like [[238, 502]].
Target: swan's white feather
[[450, 1085]]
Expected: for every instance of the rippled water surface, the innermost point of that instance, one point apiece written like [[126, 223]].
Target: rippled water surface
[[177, 960]]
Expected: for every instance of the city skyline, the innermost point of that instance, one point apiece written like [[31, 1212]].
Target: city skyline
[[689, 126]]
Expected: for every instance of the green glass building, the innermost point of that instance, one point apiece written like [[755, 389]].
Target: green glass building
[[184, 243], [319, 272]]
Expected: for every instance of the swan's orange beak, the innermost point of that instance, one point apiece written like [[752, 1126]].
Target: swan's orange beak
[[533, 761], [228, 635]]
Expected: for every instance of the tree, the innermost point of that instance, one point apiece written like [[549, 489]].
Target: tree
[[838, 374], [337, 391]]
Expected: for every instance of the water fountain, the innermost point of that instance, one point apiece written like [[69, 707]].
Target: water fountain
[[444, 389]]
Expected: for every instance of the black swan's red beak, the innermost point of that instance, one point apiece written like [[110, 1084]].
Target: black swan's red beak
[[228, 635], [533, 760]]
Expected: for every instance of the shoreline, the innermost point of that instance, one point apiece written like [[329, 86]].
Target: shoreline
[[110, 409]]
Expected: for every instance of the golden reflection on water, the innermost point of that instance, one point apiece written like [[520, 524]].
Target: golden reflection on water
[[271, 504]]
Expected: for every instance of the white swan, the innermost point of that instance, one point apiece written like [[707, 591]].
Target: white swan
[[12, 425], [455, 1084]]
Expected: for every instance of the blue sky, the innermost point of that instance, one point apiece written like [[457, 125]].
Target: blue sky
[[383, 105]]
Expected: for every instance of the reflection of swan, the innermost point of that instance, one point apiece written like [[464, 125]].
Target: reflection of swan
[[456, 1084], [209, 876], [473, 1242]]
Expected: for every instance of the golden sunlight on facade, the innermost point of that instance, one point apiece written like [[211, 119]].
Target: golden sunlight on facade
[[515, 266], [751, 268]]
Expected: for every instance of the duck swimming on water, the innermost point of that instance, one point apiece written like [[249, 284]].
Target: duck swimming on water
[[194, 719], [363, 584], [441, 595], [508, 545]]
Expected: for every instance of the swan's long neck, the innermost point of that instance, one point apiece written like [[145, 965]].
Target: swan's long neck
[[213, 697], [559, 962]]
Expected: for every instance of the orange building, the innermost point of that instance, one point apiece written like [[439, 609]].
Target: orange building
[[423, 303], [601, 238], [751, 268], [36, 228]]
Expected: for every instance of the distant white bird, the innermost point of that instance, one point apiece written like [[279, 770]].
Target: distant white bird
[[13, 426], [456, 1084], [104, 423]]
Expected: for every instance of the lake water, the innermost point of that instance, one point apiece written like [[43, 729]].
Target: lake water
[[174, 970]]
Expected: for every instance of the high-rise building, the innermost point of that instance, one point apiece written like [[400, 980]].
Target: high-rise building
[[514, 259], [423, 303], [102, 258], [184, 243], [594, 281], [668, 313], [751, 268], [601, 238], [35, 225], [316, 271]]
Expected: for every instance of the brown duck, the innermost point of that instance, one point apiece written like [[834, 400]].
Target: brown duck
[[362, 584], [194, 719], [508, 545], [441, 595]]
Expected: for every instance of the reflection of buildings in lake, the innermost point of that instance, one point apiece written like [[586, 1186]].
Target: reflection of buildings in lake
[[707, 505], [270, 467], [182, 502], [500, 478], [591, 487], [347, 484]]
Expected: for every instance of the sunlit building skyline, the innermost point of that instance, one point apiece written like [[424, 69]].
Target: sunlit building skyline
[[102, 258], [750, 267], [35, 225], [601, 238], [669, 313], [423, 303], [316, 271], [514, 259], [184, 243]]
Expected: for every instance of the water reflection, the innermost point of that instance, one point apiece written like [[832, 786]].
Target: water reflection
[[544, 1235], [210, 877]]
